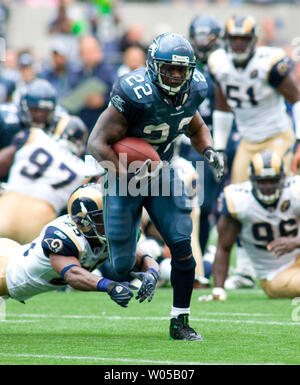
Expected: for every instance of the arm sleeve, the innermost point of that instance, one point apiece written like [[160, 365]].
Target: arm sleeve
[[280, 70], [20, 138]]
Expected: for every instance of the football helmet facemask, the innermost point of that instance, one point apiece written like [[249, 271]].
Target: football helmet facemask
[[241, 38], [37, 104], [267, 175], [85, 207], [72, 133], [171, 63], [204, 33]]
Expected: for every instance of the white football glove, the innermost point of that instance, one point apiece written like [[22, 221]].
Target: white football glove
[[218, 293]]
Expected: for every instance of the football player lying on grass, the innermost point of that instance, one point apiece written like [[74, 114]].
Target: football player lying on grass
[[66, 252], [264, 213]]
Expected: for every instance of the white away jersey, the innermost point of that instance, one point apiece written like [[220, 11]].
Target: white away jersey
[[44, 169], [30, 272], [260, 225], [188, 174], [259, 109]]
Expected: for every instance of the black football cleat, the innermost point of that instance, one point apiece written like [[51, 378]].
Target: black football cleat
[[181, 330]]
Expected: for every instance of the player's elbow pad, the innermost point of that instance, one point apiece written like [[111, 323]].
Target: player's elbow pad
[[222, 123]]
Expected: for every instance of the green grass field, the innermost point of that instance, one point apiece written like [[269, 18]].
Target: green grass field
[[89, 329]]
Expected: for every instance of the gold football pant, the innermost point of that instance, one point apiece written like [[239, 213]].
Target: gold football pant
[[281, 144], [7, 250], [285, 284], [22, 216]]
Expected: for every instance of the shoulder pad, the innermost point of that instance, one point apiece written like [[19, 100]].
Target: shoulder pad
[[136, 87], [236, 198], [216, 59], [280, 70], [272, 54], [199, 83], [61, 237], [9, 114]]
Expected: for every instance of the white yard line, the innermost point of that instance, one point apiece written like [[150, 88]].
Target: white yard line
[[136, 318], [103, 359]]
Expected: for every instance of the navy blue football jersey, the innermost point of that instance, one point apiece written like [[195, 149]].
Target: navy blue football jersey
[[10, 121], [207, 107], [150, 114]]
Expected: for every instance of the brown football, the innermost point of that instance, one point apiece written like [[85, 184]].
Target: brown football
[[136, 150]]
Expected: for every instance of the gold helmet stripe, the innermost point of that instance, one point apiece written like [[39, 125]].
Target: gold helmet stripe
[[258, 163], [248, 24], [276, 162], [230, 25]]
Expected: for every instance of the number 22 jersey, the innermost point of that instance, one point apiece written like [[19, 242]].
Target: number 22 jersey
[[151, 116]]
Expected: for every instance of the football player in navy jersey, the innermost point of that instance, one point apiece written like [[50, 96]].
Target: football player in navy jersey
[[157, 104], [38, 107]]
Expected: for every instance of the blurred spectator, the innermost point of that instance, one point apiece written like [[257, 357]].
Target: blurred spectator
[[104, 22], [60, 72], [4, 16], [94, 73], [270, 32], [10, 66], [27, 69], [61, 23], [133, 36], [7, 88], [133, 58]]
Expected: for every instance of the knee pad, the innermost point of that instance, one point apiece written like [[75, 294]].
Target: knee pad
[[180, 251]]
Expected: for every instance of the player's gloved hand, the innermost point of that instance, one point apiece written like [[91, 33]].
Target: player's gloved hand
[[218, 293], [121, 293], [216, 160], [149, 279], [143, 174]]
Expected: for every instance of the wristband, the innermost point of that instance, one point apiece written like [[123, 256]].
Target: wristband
[[103, 284], [154, 272]]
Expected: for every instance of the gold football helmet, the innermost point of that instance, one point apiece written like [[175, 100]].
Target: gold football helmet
[[85, 207], [240, 38], [267, 176]]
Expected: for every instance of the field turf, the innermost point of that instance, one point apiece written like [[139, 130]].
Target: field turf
[[76, 328]]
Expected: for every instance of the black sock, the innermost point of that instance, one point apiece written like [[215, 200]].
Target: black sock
[[182, 282]]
